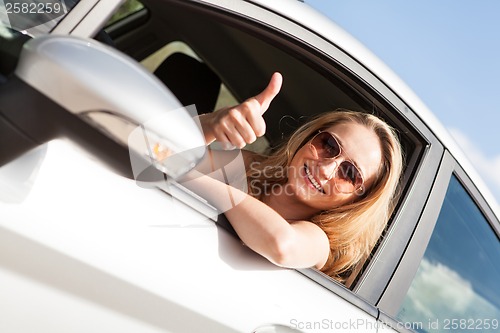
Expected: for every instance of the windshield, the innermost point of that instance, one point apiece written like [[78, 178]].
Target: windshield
[[32, 17]]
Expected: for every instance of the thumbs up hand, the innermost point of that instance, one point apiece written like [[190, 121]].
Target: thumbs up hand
[[241, 124]]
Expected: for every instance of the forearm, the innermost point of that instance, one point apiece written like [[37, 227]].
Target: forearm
[[257, 224]]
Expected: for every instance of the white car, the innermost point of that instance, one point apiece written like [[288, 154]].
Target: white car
[[89, 243]]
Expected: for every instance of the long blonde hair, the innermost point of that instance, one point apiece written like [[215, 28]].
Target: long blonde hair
[[352, 229]]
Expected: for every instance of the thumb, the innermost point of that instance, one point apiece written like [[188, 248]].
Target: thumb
[[267, 95]]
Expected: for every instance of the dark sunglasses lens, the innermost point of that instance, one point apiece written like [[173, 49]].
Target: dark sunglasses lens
[[326, 145], [348, 179]]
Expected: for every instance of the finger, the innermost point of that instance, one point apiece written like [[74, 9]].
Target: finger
[[272, 89], [228, 134], [236, 120], [246, 131], [248, 120], [235, 138], [223, 142], [257, 123]]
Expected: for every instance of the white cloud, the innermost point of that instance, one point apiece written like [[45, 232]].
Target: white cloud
[[487, 166], [438, 291]]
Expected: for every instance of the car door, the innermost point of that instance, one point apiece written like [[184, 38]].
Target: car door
[[84, 248]]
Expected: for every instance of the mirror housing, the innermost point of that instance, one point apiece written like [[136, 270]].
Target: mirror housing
[[116, 95]]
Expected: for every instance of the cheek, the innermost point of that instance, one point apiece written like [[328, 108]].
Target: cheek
[[337, 199], [375, 180], [295, 166], [302, 153]]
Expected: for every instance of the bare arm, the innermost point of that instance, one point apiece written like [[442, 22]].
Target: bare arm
[[299, 244]]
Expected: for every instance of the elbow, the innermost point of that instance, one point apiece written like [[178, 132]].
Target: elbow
[[281, 250]]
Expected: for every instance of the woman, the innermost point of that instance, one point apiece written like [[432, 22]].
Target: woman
[[321, 200]]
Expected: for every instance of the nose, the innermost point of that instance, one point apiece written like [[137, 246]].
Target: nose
[[326, 168]]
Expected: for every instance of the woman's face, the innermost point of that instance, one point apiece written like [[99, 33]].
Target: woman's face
[[313, 179]]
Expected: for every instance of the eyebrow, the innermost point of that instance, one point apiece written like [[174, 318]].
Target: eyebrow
[[350, 159]]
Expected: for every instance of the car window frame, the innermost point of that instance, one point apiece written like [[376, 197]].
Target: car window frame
[[397, 289], [86, 18]]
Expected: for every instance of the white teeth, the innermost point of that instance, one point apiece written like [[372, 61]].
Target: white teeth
[[313, 181]]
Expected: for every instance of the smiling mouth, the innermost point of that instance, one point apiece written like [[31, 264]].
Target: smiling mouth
[[313, 181]]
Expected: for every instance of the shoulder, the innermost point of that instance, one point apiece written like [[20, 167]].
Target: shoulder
[[314, 239]]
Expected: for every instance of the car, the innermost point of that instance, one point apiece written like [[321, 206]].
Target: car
[[93, 236]]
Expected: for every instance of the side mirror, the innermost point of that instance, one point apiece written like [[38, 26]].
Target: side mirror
[[116, 95]]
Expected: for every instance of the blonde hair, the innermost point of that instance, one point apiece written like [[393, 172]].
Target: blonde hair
[[352, 229]]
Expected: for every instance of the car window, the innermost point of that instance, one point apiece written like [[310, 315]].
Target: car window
[[456, 285], [243, 54], [128, 8], [244, 57]]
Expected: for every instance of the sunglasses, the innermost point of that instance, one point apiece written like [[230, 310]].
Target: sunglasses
[[347, 177]]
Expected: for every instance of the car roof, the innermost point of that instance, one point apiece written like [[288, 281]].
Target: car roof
[[313, 20]]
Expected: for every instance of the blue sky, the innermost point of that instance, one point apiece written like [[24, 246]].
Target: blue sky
[[448, 52]]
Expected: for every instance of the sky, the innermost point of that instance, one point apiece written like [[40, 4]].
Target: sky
[[448, 52]]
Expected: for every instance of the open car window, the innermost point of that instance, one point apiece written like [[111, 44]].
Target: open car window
[[242, 54]]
